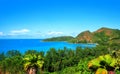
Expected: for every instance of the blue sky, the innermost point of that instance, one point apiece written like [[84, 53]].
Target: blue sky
[[48, 18]]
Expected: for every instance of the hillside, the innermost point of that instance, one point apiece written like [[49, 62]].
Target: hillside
[[61, 38], [102, 35], [85, 36]]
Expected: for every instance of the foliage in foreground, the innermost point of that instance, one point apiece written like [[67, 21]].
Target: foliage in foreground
[[32, 62], [103, 64], [60, 61]]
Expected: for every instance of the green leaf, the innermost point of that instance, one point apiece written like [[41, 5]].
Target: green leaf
[[108, 59], [26, 65], [113, 63], [94, 63], [40, 64], [101, 58], [101, 71]]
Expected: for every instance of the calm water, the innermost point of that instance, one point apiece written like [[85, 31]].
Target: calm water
[[36, 44]]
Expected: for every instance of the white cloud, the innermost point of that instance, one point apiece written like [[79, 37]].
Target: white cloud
[[19, 32], [1, 33], [54, 33]]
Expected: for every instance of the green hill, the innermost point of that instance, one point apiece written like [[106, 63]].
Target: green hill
[[61, 38], [102, 35], [84, 37]]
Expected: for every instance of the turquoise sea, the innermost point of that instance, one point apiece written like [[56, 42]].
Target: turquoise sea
[[36, 44]]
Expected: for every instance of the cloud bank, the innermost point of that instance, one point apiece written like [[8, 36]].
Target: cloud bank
[[19, 32], [54, 33], [26, 33]]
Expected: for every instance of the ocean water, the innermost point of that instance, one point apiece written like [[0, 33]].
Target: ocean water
[[36, 44]]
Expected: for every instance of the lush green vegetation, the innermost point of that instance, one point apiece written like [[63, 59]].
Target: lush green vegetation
[[102, 59], [101, 36], [104, 64], [61, 38], [61, 61]]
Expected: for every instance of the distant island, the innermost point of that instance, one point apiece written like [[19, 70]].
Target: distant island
[[102, 35]]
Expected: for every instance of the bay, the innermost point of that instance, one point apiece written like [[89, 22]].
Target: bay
[[23, 45]]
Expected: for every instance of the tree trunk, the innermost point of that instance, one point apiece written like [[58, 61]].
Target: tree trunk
[[111, 72], [32, 71], [41, 72]]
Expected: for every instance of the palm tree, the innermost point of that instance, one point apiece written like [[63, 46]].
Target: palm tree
[[32, 63], [103, 64]]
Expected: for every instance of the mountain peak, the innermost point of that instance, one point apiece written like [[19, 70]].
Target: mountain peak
[[101, 34], [85, 36], [103, 29]]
